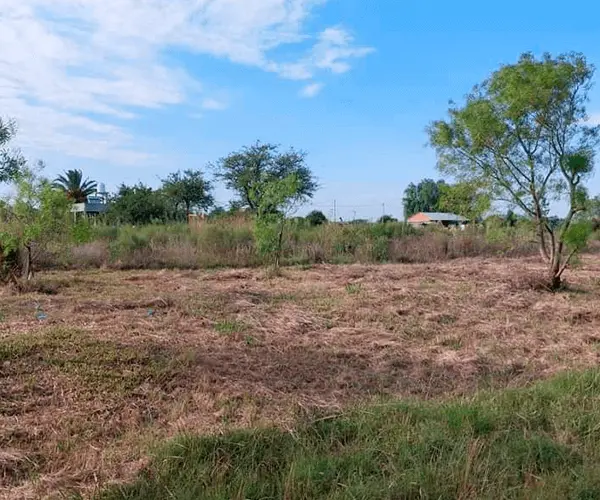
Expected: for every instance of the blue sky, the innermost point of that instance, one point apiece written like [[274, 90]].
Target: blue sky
[[130, 90]]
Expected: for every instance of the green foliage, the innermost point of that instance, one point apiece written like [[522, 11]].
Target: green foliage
[[11, 161], [523, 133], [188, 190], [230, 327], [276, 199], [82, 231], [230, 241], [592, 210], [130, 240], [384, 219], [248, 173], [577, 235], [465, 198], [38, 215], [217, 213], [423, 197], [74, 186], [353, 288], [539, 442], [316, 218], [139, 205]]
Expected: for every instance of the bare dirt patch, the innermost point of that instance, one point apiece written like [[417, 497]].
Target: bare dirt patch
[[113, 362]]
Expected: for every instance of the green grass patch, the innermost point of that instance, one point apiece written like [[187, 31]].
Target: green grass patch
[[540, 442], [353, 288], [230, 327], [101, 365]]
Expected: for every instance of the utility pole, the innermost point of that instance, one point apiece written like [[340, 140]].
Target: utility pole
[[334, 211], [383, 209], [354, 212]]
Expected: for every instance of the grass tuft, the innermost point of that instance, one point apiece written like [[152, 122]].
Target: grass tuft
[[230, 327], [540, 442], [353, 288]]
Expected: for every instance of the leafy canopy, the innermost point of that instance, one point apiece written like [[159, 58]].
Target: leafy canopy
[[138, 205], [593, 208], [316, 218], [423, 197], [523, 133], [386, 219], [189, 190], [277, 199], [465, 198], [250, 172], [74, 186], [37, 215], [11, 160]]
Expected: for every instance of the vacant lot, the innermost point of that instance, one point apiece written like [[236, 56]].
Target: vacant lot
[[97, 368]]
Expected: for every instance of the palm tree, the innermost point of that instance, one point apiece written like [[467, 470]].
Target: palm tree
[[74, 186]]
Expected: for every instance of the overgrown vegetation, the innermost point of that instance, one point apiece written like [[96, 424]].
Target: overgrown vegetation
[[11, 159], [37, 216], [523, 134], [277, 198], [240, 241], [540, 442]]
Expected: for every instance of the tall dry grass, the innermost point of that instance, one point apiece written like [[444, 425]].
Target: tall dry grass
[[229, 242]]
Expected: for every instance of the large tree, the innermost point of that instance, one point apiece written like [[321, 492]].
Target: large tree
[[316, 218], [189, 190], [422, 197], [248, 173], [11, 160], [75, 186], [468, 199], [138, 205], [523, 132]]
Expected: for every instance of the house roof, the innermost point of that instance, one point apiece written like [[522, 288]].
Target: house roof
[[445, 217]]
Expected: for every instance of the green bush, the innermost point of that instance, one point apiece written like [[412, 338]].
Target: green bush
[[82, 232]]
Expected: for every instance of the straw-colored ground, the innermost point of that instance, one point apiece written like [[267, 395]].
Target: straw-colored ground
[[99, 367]]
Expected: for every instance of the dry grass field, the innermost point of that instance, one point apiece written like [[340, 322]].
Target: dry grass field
[[97, 368]]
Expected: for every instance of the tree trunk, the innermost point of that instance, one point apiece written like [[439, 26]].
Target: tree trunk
[[279, 245], [542, 238], [555, 282], [555, 270], [28, 264]]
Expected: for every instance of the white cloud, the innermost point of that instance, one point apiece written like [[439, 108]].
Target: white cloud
[[311, 90], [74, 73], [333, 52], [335, 49], [213, 104]]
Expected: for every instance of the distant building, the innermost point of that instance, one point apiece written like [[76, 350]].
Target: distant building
[[94, 205], [437, 218]]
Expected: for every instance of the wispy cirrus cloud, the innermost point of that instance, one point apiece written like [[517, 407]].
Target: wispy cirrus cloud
[[311, 90], [333, 52], [213, 104], [74, 73]]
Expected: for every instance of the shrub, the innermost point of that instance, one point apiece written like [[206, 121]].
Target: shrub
[[90, 255], [229, 241], [316, 218]]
